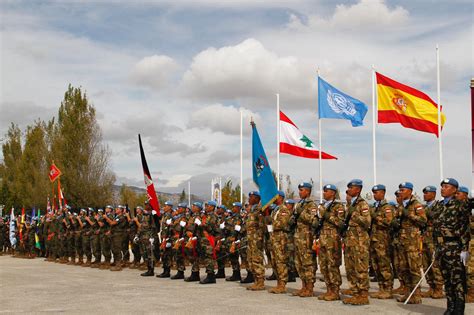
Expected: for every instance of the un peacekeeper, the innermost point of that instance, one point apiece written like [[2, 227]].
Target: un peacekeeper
[[93, 239], [177, 239], [433, 276], [306, 221], [411, 218], [356, 244], [190, 238], [126, 239], [255, 237], [451, 234], [145, 238], [234, 240], [77, 240], [52, 237], [165, 230], [396, 248], [70, 249], [331, 218], [46, 221], [221, 248], [207, 231], [243, 247], [290, 246], [62, 227], [267, 245], [280, 218], [135, 237], [118, 228], [463, 195], [31, 231], [84, 244], [106, 236], [380, 241], [2, 235]]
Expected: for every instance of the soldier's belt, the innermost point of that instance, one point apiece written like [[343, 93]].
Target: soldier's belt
[[409, 229]]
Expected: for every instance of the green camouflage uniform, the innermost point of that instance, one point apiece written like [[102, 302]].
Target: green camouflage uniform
[[190, 239], [86, 238], [280, 218], [177, 239], [306, 221], [208, 232], [255, 233], [234, 240], [166, 245], [106, 238], [118, 233], [145, 233], [434, 277]]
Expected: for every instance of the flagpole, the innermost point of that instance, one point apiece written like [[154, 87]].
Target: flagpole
[[189, 193], [374, 116], [241, 158], [320, 153], [220, 191], [278, 141], [440, 141]]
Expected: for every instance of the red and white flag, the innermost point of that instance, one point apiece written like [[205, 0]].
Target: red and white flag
[[294, 142], [54, 172]]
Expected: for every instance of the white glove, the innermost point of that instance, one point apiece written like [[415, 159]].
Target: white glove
[[237, 228], [182, 223], [152, 240], [168, 245], [270, 228], [168, 222], [464, 257], [135, 240], [222, 225], [153, 212], [197, 221]]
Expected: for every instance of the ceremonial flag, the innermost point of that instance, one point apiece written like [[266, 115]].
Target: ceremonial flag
[[62, 201], [262, 173], [48, 206], [22, 215], [399, 103], [13, 229], [294, 142], [150, 188], [54, 172], [33, 214], [216, 190], [335, 104]]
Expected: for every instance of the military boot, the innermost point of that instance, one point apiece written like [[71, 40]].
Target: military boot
[[72, 261], [220, 274], [349, 291], [291, 277], [438, 292], [150, 272], [405, 296], [416, 297], [470, 294], [308, 292], [235, 276], [193, 277], [259, 285], [303, 287], [89, 264], [375, 295], [165, 273], [134, 265], [106, 265], [401, 289], [271, 277], [449, 308], [333, 294], [322, 296], [117, 267], [386, 293], [459, 307], [279, 289], [210, 278], [179, 275], [142, 267], [428, 293], [80, 261], [249, 278]]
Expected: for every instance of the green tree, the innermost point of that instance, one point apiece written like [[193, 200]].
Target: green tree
[[12, 156], [182, 196], [230, 194]]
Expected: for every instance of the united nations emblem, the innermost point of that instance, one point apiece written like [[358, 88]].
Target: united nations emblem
[[399, 101], [260, 164], [339, 104]]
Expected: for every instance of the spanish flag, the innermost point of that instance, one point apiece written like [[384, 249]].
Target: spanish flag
[[399, 103]]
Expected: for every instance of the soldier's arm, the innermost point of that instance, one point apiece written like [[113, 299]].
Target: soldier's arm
[[465, 232], [283, 219], [109, 221], [80, 222], [388, 215], [362, 215], [338, 218], [418, 216]]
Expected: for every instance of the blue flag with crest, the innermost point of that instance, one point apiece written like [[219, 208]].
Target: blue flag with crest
[[333, 103], [262, 173]]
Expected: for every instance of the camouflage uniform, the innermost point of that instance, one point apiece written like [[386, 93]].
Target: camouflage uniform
[[470, 266], [97, 240], [280, 217], [207, 239], [118, 232], [221, 246], [106, 239], [77, 240], [255, 233], [192, 246], [86, 240], [137, 256], [166, 250], [451, 236], [177, 239], [380, 241], [145, 233], [234, 242]]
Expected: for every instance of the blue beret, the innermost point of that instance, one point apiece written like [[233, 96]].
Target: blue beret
[[393, 203], [406, 185], [109, 206], [222, 207], [397, 192], [211, 203], [84, 210], [182, 205], [139, 208], [290, 201], [379, 187], [450, 181], [429, 189], [330, 187], [305, 185], [100, 210], [281, 193], [355, 182], [169, 203], [198, 204], [272, 206], [237, 204], [463, 189], [255, 193]]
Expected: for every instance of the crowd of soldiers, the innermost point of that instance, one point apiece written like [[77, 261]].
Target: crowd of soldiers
[[406, 239]]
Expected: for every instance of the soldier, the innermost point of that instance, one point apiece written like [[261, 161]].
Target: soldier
[[2, 235], [306, 221], [380, 241], [221, 245], [77, 239], [96, 237], [278, 230], [451, 235], [356, 245], [31, 231], [192, 246], [145, 238], [411, 217], [207, 238], [135, 237], [105, 235], [244, 246], [396, 248], [331, 217], [165, 230], [234, 240], [86, 231], [290, 246], [118, 228], [433, 276], [126, 238], [177, 239]]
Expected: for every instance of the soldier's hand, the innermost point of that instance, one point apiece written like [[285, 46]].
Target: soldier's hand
[[464, 257]]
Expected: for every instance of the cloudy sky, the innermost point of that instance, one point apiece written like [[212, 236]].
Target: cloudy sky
[[178, 72]]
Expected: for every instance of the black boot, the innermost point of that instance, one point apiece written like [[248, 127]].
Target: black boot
[[150, 272], [291, 277], [249, 278], [450, 308], [458, 307], [235, 276], [193, 277], [210, 278], [179, 275], [165, 273], [271, 277], [220, 274]]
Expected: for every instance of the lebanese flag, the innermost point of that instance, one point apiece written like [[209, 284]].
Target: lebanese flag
[[150, 188], [54, 172], [293, 142]]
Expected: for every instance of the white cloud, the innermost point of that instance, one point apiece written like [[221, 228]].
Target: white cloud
[[154, 71]]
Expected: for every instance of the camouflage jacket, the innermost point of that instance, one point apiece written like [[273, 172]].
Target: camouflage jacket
[[413, 216], [280, 218], [255, 219], [333, 215], [451, 223], [305, 213], [382, 217]]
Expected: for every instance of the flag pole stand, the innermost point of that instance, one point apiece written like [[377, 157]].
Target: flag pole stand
[[440, 139], [320, 144], [374, 124], [241, 159], [278, 141]]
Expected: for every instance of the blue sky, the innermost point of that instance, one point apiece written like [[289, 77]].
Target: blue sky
[[178, 72]]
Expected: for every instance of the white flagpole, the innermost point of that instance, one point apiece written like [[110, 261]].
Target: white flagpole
[[440, 139], [220, 191], [241, 158], [189, 193], [212, 189], [278, 141], [374, 123], [320, 152]]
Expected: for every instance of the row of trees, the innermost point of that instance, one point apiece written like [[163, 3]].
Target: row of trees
[[73, 140]]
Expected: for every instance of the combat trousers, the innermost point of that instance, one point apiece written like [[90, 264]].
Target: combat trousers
[[255, 252], [105, 246], [117, 241], [454, 272], [434, 277], [409, 258], [330, 257], [304, 260], [380, 256], [279, 240], [356, 258], [86, 245]]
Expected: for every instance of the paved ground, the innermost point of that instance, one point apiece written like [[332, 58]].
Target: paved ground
[[36, 286]]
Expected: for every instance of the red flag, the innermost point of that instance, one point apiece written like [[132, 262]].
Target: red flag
[[54, 172], [150, 188], [61, 199]]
